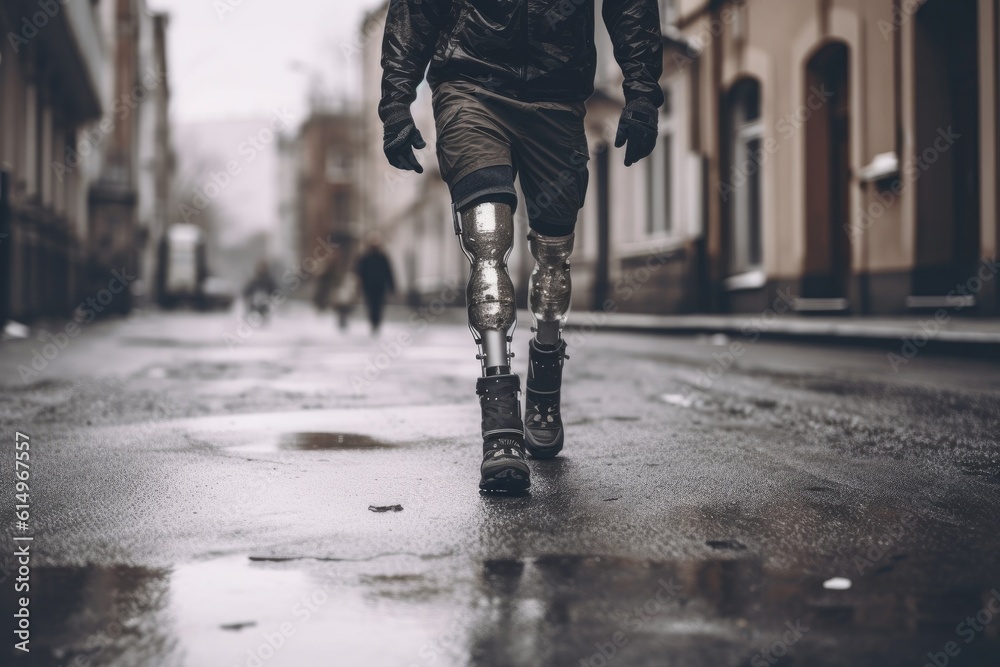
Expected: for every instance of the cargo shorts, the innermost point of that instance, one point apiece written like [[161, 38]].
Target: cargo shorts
[[485, 140]]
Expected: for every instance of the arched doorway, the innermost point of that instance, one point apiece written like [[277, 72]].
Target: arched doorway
[[946, 145], [828, 174]]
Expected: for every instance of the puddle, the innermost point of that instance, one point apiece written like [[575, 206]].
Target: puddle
[[316, 441], [532, 611], [228, 612], [307, 442]]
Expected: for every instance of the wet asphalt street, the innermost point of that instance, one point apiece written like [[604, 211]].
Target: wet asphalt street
[[200, 503]]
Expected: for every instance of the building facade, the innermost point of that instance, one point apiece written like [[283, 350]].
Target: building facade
[[851, 150], [639, 245], [53, 85], [156, 160], [128, 200], [839, 156], [84, 152], [326, 152]]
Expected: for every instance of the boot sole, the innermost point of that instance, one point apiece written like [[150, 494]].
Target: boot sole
[[542, 451], [505, 477]]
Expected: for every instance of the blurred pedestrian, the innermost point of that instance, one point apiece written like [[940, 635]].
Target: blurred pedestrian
[[375, 272], [509, 83], [259, 290], [345, 297], [338, 287]]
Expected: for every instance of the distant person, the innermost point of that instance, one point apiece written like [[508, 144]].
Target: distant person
[[375, 273], [338, 289], [258, 291], [345, 297]]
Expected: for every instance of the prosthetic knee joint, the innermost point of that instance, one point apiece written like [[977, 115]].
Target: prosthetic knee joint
[[550, 288], [487, 234]]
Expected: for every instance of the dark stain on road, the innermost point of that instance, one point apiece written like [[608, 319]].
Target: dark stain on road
[[235, 627]]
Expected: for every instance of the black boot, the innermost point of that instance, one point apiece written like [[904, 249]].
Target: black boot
[[543, 428], [505, 467]]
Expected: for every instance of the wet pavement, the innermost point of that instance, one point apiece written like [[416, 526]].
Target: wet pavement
[[197, 503]]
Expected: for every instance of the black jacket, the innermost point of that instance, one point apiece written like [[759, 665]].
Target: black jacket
[[531, 50], [375, 273]]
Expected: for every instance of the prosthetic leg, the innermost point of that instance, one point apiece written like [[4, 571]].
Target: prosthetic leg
[[487, 235], [549, 300]]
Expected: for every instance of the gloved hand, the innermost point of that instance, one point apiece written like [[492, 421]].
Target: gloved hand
[[399, 139], [638, 127]]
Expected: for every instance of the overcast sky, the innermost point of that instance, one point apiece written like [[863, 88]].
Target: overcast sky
[[240, 63], [230, 71]]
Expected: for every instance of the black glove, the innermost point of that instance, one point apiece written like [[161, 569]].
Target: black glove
[[400, 138], [638, 127]]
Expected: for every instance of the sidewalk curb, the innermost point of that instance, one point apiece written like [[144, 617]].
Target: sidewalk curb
[[892, 337]]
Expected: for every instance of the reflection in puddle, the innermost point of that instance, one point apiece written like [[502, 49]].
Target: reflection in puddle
[[324, 441], [225, 612], [531, 611], [315, 441], [568, 609]]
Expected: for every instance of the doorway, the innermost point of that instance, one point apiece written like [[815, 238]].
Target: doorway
[[828, 174], [946, 146]]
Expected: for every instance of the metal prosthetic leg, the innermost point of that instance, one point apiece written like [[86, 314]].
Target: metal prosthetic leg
[[487, 235], [549, 299]]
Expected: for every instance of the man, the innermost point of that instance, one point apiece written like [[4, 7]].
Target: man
[[259, 290], [375, 273], [337, 287], [509, 81]]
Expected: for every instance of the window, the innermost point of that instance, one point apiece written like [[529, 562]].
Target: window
[[660, 176], [341, 205], [338, 166], [659, 187], [741, 188]]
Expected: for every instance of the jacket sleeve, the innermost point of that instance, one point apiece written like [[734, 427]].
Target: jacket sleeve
[[412, 28], [634, 26]]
